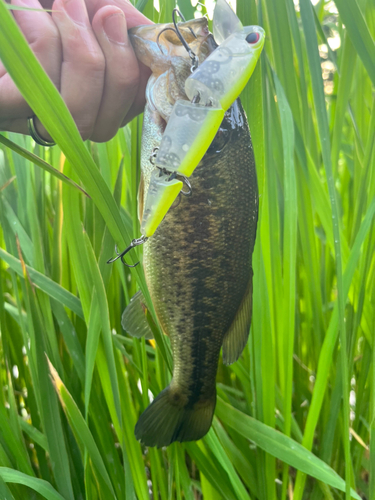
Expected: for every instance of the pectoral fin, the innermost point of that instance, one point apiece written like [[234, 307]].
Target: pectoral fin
[[236, 337], [134, 320]]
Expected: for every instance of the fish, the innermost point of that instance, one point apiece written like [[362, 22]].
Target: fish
[[198, 263]]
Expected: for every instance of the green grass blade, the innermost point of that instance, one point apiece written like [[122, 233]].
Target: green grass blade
[[34, 434], [208, 469], [323, 130], [26, 244], [38, 485], [282, 447], [70, 337], [289, 254], [48, 403], [49, 106], [48, 286], [311, 113], [359, 33], [5, 493], [80, 428], [372, 429], [10, 441], [39, 162], [331, 337], [217, 449]]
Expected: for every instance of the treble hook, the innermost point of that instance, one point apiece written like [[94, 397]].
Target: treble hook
[[177, 31], [192, 54], [134, 243], [153, 155], [183, 20], [187, 182], [176, 175], [180, 14], [160, 32]]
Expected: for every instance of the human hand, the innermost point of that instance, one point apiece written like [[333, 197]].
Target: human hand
[[84, 48]]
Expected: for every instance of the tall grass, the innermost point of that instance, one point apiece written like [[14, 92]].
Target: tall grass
[[295, 416]]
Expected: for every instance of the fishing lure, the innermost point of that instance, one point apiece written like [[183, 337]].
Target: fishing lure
[[211, 89]]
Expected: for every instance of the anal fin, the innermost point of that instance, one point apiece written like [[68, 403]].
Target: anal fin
[[134, 318], [236, 337]]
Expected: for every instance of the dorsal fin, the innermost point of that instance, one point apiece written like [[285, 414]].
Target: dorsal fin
[[134, 320]]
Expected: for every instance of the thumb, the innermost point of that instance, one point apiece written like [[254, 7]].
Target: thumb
[[132, 15]]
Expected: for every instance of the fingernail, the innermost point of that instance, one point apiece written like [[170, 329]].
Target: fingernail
[[115, 28], [76, 11]]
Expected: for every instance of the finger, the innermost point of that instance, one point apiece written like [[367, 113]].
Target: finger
[[46, 4], [42, 35], [43, 38], [140, 99], [83, 67], [18, 125], [133, 18], [132, 15], [2, 69], [121, 72]]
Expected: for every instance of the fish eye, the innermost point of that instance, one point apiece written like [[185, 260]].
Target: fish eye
[[252, 37]]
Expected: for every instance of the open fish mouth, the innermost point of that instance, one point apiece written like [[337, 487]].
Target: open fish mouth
[[169, 51], [156, 44]]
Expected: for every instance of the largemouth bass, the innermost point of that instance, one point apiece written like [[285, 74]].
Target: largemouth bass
[[198, 262]]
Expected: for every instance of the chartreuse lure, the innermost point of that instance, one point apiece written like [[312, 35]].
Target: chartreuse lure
[[192, 126], [212, 88]]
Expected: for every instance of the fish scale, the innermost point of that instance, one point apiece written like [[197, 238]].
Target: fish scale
[[198, 261]]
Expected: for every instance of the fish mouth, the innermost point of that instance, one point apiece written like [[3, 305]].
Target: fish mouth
[[158, 43], [160, 47]]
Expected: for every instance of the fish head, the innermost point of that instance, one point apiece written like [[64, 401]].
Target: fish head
[[159, 47]]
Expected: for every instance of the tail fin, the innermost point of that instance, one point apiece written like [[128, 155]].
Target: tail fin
[[167, 420]]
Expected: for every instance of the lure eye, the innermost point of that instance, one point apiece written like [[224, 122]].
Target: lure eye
[[252, 37]]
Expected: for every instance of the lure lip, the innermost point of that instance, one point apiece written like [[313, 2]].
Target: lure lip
[[225, 21]]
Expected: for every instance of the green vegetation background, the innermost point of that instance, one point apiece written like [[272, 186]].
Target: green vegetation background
[[295, 415]]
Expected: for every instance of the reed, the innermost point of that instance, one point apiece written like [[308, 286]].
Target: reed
[[295, 416]]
